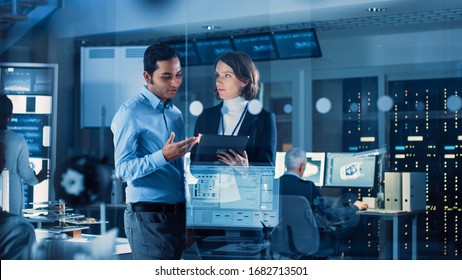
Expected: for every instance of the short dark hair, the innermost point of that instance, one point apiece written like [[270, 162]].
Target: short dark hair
[[157, 52], [6, 111], [245, 71]]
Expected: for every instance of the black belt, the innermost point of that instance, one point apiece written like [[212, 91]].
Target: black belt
[[158, 207]]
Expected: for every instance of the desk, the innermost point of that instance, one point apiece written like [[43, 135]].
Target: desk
[[98, 246], [226, 251], [385, 219]]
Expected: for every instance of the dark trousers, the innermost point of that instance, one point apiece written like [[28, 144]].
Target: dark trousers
[[155, 235]]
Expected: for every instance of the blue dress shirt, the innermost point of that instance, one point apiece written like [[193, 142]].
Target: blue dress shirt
[[141, 127]]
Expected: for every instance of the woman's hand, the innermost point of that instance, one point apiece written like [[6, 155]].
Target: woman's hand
[[232, 158]]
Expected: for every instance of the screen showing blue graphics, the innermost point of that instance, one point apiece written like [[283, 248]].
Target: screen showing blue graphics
[[20, 80], [35, 129], [258, 47], [187, 53], [348, 170], [297, 44], [210, 50], [223, 198]]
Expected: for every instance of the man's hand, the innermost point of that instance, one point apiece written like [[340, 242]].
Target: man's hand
[[361, 205], [174, 150]]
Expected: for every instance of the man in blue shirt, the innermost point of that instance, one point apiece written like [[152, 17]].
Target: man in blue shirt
[[150, 161]]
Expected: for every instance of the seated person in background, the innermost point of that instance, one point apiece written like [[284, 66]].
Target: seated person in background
[[291, 183]]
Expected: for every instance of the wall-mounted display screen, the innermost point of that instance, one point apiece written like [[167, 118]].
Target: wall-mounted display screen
[[348, 170], [258, 47], [187, 53], [210, 50], [16, 81], [20, 80], [297, 44]]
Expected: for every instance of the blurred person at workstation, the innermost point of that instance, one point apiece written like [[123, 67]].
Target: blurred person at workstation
[[331, 221]]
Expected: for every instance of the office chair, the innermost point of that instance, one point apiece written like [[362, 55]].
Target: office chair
[[297, 235]]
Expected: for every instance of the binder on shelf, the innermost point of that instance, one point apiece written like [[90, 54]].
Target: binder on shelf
[[413, 185], [393, 190], [405, 191]]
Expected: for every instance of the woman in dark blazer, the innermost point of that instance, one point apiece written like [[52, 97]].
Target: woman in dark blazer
[[236, 81]]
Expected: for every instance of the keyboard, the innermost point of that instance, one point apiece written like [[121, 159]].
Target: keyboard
[[376, 210], [246, 249], [228, 239]]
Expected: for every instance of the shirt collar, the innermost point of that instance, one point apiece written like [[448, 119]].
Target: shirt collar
[[236, 104], [154, 100], [292, 173]]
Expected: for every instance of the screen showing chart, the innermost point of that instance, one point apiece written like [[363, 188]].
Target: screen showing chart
[[22, 80]]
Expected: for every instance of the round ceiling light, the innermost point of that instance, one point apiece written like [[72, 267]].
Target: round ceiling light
[[376, 10], [211, 27]]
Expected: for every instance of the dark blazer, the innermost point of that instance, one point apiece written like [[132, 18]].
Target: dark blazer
[[292, 185], [261, 129], [325, 214]]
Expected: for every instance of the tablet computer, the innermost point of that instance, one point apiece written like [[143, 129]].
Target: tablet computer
[[211, 145]]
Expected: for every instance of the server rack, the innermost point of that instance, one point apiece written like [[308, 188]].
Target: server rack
[[32, 87]]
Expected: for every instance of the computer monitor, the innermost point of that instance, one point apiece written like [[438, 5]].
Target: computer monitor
[[224, 199], [314, 171], [36, 130], [348, 170]]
